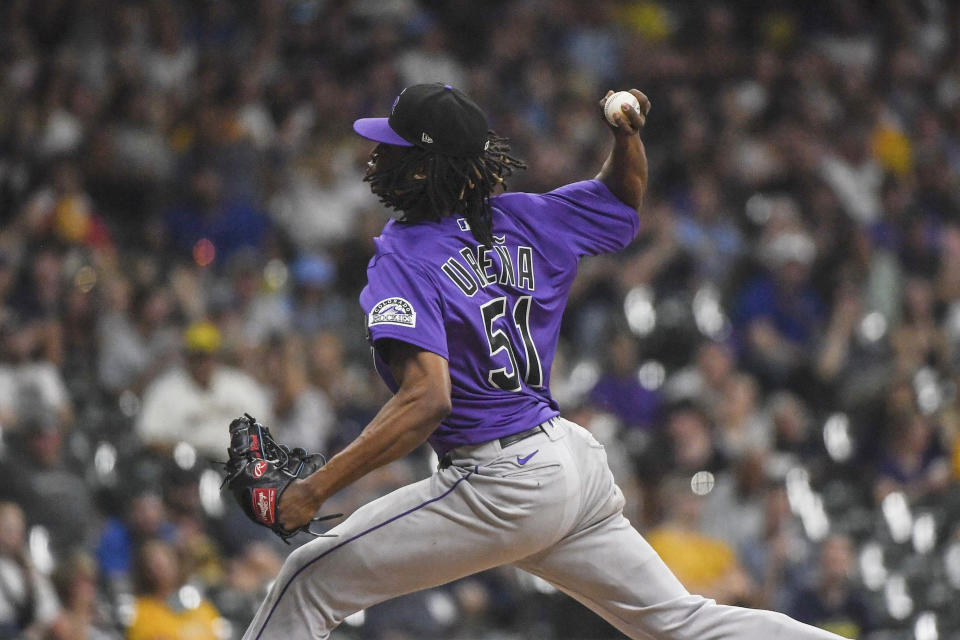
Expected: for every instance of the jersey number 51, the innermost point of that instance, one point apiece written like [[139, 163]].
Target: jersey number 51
[[500, 341]]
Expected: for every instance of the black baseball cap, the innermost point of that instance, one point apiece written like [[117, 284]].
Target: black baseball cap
[[435, 117]]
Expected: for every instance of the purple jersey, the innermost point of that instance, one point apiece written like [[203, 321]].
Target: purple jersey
[[494, 314]]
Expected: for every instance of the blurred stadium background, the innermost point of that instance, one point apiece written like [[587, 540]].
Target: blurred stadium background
[[773, 365]]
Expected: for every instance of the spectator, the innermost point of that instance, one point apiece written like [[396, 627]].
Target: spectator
[[948, 280], [248, 576], [315, 305], [259, 307], [794, 435], [708, 236], [919, 341], [913, 460], [52, 494], [192, 403], [164, 607], [207, 226], [778, 555], [620, 391], [64, 211], [78, 336], [733, 510], [779, 312], [145, 517], [702, 563], [430, 61], [171, 62], [854, 175], [322, 199], [136, 340], [84, 616], [685, 445], [30, 379], [28, 603], [705, 381], [834, 602], [304, 416], [852, 358], [137, 139], [332, 372], [201, 562], [743, 429]]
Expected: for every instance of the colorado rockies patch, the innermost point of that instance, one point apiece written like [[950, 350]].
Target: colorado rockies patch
[[393, 311]]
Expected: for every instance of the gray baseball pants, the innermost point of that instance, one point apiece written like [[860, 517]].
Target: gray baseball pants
[[546, 504]]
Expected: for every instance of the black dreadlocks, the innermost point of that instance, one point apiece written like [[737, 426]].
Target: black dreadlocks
[[425, 186]]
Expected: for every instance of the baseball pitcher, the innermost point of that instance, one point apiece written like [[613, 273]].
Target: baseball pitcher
[[464, 301]]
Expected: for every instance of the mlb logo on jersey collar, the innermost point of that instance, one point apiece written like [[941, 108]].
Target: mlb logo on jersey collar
[[465, 226]]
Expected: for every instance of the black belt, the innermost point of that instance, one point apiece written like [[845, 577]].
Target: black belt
[[506, 441]]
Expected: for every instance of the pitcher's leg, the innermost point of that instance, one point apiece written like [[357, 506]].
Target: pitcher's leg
[[422, 535], [611, 569]]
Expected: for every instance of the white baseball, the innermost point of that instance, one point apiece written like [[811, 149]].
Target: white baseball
[[612, 105]]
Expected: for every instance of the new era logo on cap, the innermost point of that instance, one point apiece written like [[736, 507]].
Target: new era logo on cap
[[425, 137]]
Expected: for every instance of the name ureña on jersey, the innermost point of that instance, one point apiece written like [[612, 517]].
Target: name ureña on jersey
[[393, 311], [473, 269]]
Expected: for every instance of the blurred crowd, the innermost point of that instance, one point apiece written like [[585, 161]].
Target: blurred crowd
[[773, 365]]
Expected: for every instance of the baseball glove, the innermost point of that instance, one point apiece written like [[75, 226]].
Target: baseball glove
[[259, 470]]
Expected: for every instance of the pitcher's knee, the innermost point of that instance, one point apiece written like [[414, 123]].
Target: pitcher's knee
[[293, 565], [686, 617], [303, 561]]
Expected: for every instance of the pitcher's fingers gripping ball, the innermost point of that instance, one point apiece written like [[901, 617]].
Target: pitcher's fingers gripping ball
[[259, 470], [626, 110]]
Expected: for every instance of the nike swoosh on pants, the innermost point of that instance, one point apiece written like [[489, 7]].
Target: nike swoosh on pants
[[522, 461]]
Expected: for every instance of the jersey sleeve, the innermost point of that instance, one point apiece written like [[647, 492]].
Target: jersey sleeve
[[402, 302], [589, 219]]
